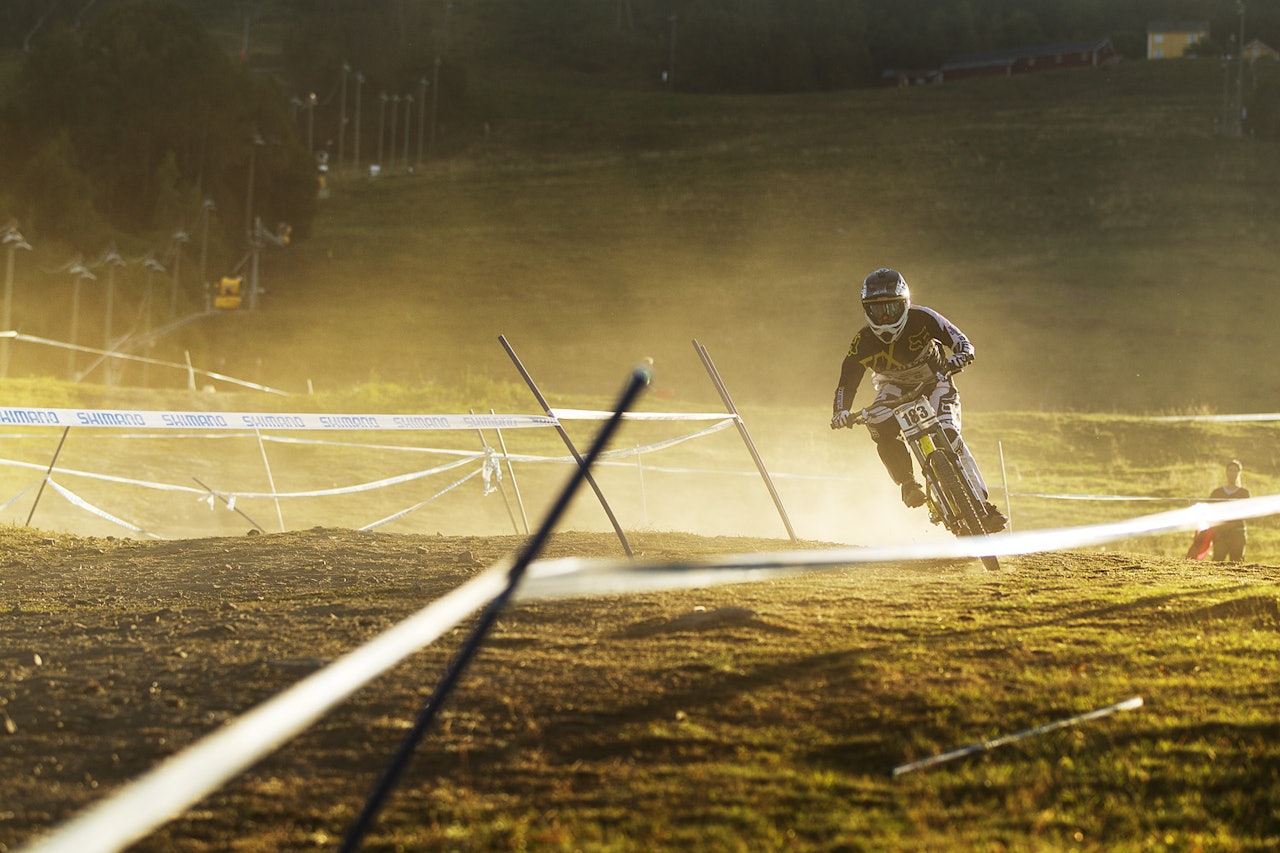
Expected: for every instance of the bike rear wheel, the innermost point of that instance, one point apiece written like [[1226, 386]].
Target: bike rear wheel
[[962, 502]]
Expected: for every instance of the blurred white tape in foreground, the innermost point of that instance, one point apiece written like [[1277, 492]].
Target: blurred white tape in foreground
[[577, 576], [185, 778]]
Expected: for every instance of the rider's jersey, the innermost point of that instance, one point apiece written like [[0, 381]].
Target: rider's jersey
[[914, 357]]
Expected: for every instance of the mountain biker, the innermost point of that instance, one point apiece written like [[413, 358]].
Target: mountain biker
[[903, 345]]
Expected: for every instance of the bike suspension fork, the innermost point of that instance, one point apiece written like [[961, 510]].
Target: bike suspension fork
[[969, 464]]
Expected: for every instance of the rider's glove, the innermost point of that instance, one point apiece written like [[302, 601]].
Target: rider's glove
[[841, 419], [959, 362]]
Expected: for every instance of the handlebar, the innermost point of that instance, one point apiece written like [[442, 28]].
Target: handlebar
[[859, 418]]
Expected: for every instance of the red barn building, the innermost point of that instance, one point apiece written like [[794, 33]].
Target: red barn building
[[1022, 60]]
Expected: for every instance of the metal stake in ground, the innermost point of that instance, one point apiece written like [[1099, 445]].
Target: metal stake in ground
[[746, 436], [230, 505], [1126, 705], [511, 471], [542, 401], [639, 379], [47, 475], [489, 453]]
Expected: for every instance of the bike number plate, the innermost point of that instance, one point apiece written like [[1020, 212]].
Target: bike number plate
[[915, 417]]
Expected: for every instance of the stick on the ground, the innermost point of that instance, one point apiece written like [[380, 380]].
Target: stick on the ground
[[1126, 705]]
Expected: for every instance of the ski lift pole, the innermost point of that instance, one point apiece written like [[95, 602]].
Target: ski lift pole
[[746, 436], [542, 401]]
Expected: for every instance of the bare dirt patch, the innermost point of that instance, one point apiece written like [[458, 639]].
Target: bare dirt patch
[[117, 653]]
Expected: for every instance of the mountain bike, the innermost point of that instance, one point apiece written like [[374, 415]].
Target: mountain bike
[[954, 494]]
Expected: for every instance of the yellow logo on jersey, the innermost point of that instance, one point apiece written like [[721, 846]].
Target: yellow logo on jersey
[[884, 357], [919, 340]]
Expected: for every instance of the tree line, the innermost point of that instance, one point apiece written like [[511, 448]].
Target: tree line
[[814, 45], [133, 123]]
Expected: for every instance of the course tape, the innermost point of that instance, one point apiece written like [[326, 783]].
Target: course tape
[[1243, 418], [490, 469], [361, 487], [576, 576], [318, 493], [420, 504], [594, 415], [183, 779], [1098, 497], [76, 500], [132, 418], [123, 356], [464, 457]]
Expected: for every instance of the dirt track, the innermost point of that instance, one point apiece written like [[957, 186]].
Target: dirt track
[[117, 653]]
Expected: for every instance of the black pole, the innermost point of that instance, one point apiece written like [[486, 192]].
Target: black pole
[[638, 380], [47, 475], [230, 505], [542, 401]]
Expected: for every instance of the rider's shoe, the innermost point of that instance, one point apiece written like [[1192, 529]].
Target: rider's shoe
[[993, 520], [912, 494]]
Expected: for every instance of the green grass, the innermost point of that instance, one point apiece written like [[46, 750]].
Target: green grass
[[622, 724], [781, 733], [1072, 223]]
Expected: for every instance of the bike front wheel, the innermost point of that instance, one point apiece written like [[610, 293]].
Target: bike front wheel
[[961, 501]]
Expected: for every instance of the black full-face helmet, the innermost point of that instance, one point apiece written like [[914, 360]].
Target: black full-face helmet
[[885, 300]]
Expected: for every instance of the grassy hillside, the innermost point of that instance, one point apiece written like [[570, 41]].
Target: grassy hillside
[[1104, 249]]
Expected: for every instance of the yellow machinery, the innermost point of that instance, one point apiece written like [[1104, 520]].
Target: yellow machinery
[[227, 296]]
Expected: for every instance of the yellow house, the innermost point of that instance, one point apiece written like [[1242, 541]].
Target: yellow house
[[1170, 41], [1257, 50]]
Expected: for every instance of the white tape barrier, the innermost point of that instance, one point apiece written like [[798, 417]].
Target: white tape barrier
[[420, 504], [316, 493], [185, 368], [1128, 498], [1222, 419], [185, 778], [133, 418], [607, 459], [584, 576], [594, 415], [76, 500], [465, 457], [490, 469]]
